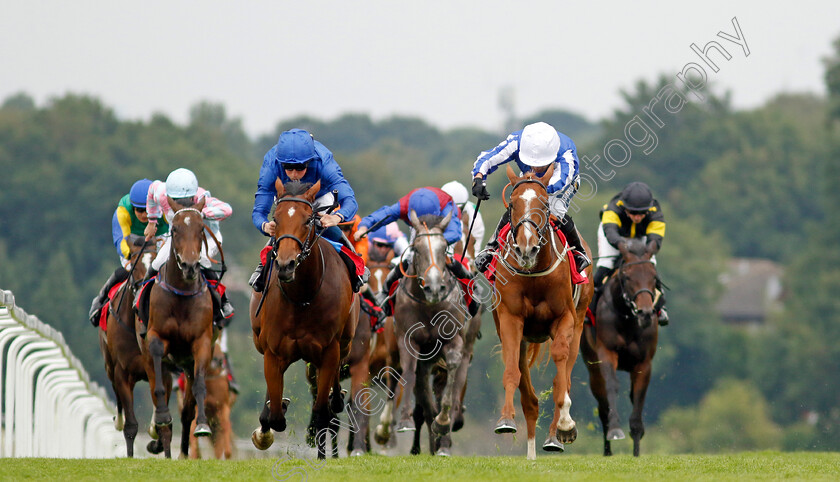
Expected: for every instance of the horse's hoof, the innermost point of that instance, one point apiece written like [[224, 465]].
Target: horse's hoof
[[552, 445], [183, 456], [615, 434], [506, 425], [261, 440], [443, 452], [202, 430], [567, 436], [154, 447], [381, 434], [357, 453], [439, 429], [119, 422], [284, 404], [153, 431], [406, 426]]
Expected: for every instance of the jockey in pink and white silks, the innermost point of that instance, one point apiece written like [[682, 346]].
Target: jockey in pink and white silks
[[534, 149], [182, 186]]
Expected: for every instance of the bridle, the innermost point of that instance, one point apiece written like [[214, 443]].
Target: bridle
[[540, 230], [421, 277], [630, 301], [202, 282]]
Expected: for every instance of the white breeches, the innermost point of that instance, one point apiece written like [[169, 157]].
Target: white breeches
[[163, 253]]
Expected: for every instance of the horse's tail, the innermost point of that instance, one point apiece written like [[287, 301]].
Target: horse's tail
[[535, 352]]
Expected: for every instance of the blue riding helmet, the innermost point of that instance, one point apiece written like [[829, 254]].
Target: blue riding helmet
[[423, 202], [295, 146], [138, 193]]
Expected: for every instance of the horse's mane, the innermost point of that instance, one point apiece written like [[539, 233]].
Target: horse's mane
[[296, 188], [636, 246], [430, 219]]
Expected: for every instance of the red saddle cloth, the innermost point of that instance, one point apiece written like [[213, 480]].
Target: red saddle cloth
[[466, 291], [357, 260], [103, 314], [577, 278]]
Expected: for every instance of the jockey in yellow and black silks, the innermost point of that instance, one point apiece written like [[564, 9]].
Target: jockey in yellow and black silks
[[632, 213]]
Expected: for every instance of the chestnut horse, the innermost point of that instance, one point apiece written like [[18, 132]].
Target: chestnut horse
[[536, 305], [309, 312], [624, 338], [218, 404], [124, 364], [180, 326]]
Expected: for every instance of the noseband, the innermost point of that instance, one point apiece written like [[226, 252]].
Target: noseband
[[629, 301], [540, 230], [421, 278]]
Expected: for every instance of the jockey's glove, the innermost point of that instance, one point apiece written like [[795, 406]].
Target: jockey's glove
[[479, 189]]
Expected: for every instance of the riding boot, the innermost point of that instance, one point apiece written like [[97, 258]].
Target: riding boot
[[483, 259], [335, 234], [567, 226], [119, 275], [257, 280], [659, 308], [599, 278], [225, 310], [234, 387], [393, 276]]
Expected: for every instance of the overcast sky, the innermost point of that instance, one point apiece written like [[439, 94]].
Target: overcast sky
[[445, 62]]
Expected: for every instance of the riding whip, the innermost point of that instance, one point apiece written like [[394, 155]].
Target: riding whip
[[469, 233]]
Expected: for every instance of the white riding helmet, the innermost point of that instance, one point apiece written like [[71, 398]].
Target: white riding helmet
[[181, 183], [457, 191], [538, 145]]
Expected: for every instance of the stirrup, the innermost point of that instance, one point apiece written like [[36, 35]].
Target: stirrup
[[582, 260]]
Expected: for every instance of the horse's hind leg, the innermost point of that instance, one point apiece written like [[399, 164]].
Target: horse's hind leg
[[124, 388], [639, 380], [562, 350], [609, 362], [359, 406], [598, 388], [187, 416], [530, 403], [327, 374]]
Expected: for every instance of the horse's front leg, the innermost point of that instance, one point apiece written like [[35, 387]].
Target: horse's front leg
[[561, 349], [408, 362], [529, 400], [124, 388], [453, 354], [187, 414], [639, 380], [202, 351], [510, 333], [273, 415], [327, 375], [608, 367], [162, 417]]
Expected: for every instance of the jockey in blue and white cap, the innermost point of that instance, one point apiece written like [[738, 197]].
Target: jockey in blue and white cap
[[297, 156], [423, 201], [534, 149]]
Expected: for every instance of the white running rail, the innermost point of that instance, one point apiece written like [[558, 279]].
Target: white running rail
[[49, 408]]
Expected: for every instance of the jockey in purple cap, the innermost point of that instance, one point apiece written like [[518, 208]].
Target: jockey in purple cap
[[423, 201], [297, 156]]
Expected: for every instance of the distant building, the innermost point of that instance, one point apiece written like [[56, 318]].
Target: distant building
[[752, 291]]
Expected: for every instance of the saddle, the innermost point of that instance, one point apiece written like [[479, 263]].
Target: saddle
[[141, 303], [577, 278]]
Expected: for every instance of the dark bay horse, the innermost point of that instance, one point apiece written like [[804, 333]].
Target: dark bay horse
[[537, 305], [309, 313], [430, 325], [624, 338], [180, 326], [124, 364]]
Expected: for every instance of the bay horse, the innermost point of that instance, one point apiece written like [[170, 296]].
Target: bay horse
[[309, 312], [536, 305], [180, 326], [624, 338], [218, 404], [124, 364], [430, 325]]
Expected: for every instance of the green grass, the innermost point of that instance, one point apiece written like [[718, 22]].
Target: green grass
[[742, 466]]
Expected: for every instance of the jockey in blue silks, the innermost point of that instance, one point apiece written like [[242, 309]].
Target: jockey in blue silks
[[423, 201], [534, 149], [297, 156]]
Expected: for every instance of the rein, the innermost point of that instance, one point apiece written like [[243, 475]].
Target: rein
[[314, 294], [629, 301]]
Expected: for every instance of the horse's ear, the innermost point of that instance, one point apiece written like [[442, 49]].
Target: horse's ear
[[415, 221], [200, 204], [175, 206], [278, 185], [622, 248], [312, 192], [512, 177], [650, 250], [445, 221], [546, 178]]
